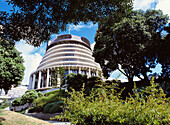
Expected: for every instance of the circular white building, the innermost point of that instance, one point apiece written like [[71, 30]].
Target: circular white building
[[69, 51]]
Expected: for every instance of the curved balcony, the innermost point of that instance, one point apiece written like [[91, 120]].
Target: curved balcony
[[51, 64]]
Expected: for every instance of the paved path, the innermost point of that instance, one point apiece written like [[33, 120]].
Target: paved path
[[14, 92], [60, 123]]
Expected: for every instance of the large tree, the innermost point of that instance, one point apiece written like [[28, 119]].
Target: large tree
[[163, 51], [130, 43], [34, 21], [11, 65]]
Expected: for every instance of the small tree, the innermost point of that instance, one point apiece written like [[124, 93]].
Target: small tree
[[58, 77], [11, 65]]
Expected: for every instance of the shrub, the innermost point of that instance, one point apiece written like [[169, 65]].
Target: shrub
[[75, 81], [53, 107], [49, 97], [35, 109], [29, 97], [48, 107], [45, 100], [105, 106], [4, 104], [56, 92], [40, 94], [17, 102], [32, 90]]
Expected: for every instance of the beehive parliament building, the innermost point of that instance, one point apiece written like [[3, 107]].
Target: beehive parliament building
[[69, 51]]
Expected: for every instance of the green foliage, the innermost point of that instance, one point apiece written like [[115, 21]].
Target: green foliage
[[4, 104], [53, 107], [28, 97], [132, 43], [17, 102], [50, 97], [59, 73], [42, 17], [11, 62], [48, 107], [76, 81], [40, 94], [56, 92], [32, 90], [104, 106], [164, 56]]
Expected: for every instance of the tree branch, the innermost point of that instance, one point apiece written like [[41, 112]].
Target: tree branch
[[139, 77], [123, 72]]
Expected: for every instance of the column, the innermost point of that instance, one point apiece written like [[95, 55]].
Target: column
[[47, 78], [39, 80], [42, 84], [58, 80], [33, 82], [97, 73], [30, 82], [79, 70], [89, 72]]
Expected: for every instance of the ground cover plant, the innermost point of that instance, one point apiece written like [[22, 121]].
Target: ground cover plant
[[105, 106]]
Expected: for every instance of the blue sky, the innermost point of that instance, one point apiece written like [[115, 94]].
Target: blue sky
[[33, 55]]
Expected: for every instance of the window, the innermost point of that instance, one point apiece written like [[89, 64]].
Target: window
[[69, 55], [65, 64], [69, 59]]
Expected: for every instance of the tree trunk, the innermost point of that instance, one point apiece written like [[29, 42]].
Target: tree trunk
[[146, 80]]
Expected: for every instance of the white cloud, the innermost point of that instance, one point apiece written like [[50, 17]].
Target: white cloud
[[82, 25], [147, 4], [164, 6], [92, 45], [24, 48], [143, 4], [119, 76], [31, 59], [31, 63]]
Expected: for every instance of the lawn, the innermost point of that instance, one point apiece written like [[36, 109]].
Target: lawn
[[13, 118]]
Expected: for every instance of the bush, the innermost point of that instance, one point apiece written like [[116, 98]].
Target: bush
[[29, 97], [49, 97], [4, 104], [32, 90], [105, 106], [45, 100], [40, 94], [48, 107], [35, 109], [56, 92], [17, 102], [53, 107]]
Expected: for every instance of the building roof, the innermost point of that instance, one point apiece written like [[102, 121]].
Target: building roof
[[68, 37]]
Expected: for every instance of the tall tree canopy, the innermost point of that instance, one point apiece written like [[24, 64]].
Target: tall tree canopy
[[164, 55], [34, 21], [130, 43], [11, 65]]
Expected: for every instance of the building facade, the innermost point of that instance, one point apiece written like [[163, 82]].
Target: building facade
[[71, 52]]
